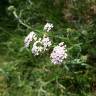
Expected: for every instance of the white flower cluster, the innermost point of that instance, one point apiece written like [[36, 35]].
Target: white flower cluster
[[37, 48], [46, 43], [31, 36], [59, 53], [48, 27], [41, 45]]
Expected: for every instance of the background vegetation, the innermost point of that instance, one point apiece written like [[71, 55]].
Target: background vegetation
[[22, 74]]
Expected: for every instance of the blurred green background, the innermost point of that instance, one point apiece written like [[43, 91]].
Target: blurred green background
[[22, 74]]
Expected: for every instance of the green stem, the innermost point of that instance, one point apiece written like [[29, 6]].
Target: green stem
[[20, 21]]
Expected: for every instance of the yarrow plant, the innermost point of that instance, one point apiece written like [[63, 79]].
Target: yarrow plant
[[31, 36], [41, 45], [46, 42], [48, 27], [37, 48], [59, 53]]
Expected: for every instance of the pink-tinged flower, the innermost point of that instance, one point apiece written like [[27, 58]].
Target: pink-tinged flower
[[48, 27], [28, 39], [59, 53]]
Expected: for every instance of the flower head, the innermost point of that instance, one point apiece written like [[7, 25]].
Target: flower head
[[46, 43], [31, 36], [37, 48], [59, 53], [48, 27]]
